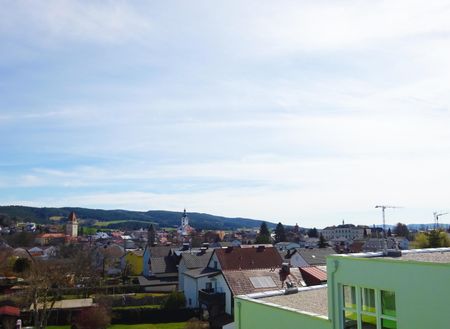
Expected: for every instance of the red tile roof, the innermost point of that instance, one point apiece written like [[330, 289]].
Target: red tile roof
[[52, 235], [248, 258], [313, 275], [9, 310], [240, 282]]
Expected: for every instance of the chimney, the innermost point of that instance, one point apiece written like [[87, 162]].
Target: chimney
[[260, 248]]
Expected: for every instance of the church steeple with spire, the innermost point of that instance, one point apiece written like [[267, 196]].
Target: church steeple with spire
[[184, 229]]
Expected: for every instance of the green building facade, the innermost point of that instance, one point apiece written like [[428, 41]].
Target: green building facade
[[364, 291]]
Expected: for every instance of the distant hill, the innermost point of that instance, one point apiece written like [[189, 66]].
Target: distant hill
[[131, 219]]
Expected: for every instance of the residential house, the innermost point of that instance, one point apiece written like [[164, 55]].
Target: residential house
[[190, 260], [306, 257], [286, 245], [378, 290], [134, 260], [153, 257], [50, 239], [226, 273]]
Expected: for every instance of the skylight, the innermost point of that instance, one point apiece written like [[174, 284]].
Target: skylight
[[262, 282]]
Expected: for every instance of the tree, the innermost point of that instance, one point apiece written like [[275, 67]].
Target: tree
[[280, 233], [389, 232], [264, 235], [445, 241], [174, 301], [93, 317], [45, 280], [312, 233], [401, 230], [21, 265], [322, 242], [434, 240]]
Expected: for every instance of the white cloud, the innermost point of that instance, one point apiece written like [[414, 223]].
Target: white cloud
[[64, 20]]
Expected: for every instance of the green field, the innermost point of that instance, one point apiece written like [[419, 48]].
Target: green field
[[173, 325], [106, 223]]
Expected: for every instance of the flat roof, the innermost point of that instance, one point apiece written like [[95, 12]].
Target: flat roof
[[312, 300], [430, 255], [437, 255]]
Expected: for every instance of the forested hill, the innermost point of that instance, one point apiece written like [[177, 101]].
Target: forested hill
[[160, 217]]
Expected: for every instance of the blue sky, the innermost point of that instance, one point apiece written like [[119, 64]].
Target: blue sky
[[305, 112]]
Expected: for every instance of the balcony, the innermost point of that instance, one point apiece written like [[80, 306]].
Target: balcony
[[209, 297]]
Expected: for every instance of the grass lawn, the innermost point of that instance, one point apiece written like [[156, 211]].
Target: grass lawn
[[173, 325], [106, 223]]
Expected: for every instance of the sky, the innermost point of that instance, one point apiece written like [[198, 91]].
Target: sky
[[308, 112]]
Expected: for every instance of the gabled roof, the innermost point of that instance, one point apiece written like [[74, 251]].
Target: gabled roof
[[163, 265], [248, 258], [315, 256], [196, 259], [240, 282], [160, 251], [200, 272]]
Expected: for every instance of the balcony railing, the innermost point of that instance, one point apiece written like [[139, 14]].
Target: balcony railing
[[211, 297]]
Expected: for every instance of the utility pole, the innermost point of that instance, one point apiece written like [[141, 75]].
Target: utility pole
[[436, 219]]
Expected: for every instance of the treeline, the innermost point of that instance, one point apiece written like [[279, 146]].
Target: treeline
[[160, 217]]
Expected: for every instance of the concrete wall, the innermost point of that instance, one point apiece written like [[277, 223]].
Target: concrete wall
[[253, 314], [421, 289]]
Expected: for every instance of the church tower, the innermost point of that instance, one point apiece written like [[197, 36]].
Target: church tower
[[151, 236], [72, 225], [184, 229]]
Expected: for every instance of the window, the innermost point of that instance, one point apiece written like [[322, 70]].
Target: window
[[209, 286], [367, 308], [215, 264]]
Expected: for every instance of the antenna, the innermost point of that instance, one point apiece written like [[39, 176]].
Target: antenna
[[436, 219], [383, 208]]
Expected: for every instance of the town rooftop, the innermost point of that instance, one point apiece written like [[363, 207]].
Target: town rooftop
[[309, 300]]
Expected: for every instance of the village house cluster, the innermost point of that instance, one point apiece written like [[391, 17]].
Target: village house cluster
[[316, 277]]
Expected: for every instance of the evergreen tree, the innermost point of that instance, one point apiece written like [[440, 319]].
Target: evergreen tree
[[389, 233], [312, 233], [322, 242], [264, 234], [401, 230], [280, 234], [434, 239]]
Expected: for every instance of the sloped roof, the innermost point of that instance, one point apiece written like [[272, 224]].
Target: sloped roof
[[162, 265], [160, 251], [199, 272], [68, 304], [314, 272], [248, 258], [240, 282], [197, 259], [316, 256], [72, 217], [9, 310]]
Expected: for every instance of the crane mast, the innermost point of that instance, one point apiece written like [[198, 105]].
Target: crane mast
[[436, 219]]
